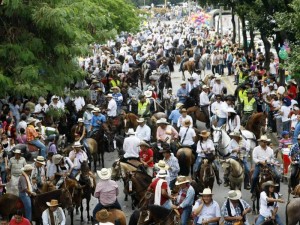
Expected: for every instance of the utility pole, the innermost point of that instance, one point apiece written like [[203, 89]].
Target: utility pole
[[221, 22], [165, 3], [189, 5]]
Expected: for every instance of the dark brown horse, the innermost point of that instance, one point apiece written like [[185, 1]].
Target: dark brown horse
[[197, 114], [189, 66], [257, 123], [292, 214], [206, 175], [130, 121], [186, 160], [117, 216]]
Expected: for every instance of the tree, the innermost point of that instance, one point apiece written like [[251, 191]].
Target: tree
[[41, 40]]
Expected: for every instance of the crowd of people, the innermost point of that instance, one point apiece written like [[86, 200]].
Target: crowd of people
[[23, 121]]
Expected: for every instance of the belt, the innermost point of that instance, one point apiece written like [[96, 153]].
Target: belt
[[248, 112], [111, 117], [204, 105]]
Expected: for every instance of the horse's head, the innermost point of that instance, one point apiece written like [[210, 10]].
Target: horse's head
[[61, 142], [66, 199], [217, 136], [205, 162], [116, 170]]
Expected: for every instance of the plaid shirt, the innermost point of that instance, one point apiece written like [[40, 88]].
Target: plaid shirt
[[31, 133], [295, 152]]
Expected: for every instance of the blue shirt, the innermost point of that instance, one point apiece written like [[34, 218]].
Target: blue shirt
[[181, 94], [296, 133], [101, 118], [189, 199], [295, 152], [174, 116], [118, 97]]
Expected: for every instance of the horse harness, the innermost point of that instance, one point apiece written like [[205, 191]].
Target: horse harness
[[220, 141], [163, 221]]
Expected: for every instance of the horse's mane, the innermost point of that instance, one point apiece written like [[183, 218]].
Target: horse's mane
[[159, 210]]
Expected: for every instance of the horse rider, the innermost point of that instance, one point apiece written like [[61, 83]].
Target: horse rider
[[205, 103], [206, 149], [217, 88], [185, 58], [146, 157], [96, 122], [170, 100], [134, 92], [206, 210], [87, 117], [80, 130], [219, 110], [131, 146], [268, 204], [38, 173], [41, 108], [54, 215], [165, 133], [143, 131], [238, 146], [197, 54], [161, 190], [263, 155], [106, 192], [191, 84], [26, 190], [233, 121], [249, 107], [33, 137], [175, 114], [77, 156], [143, 106], [184, 116], [294, 155], [185, 199], [63, 168], [188, 135], [164, 68], [111, 107], [182, 93], [118, 97], [241, 208]]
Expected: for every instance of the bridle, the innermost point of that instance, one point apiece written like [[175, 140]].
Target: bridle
[[218, 143]]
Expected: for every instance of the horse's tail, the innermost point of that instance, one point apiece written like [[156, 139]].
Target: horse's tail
[[183, 165]]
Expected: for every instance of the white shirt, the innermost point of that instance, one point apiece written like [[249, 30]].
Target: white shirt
[[143, 132], [112, 108], [259, 154], [51, 169], [131, 146], [58, 214], [265, 90], [234, 145], [39, 108], [190, 86], [189, 135], [182, 119], [197, 79], [234, 124], [285, 110], [207, 212], [264, 209], [207, 145], [217, 89], [204, 100], [219, 109], [79, 103]]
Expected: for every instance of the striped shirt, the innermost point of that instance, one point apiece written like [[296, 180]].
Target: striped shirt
[[31, 133], [174, 166]]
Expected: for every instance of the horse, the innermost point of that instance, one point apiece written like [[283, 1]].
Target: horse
[[292, 215], [189, 66], [116, 216], [170, 62], [203, 62], [256, 123], [236, 173], [197, 114], [206, 175], [130, 121], [164, 81], [186, 160], [134, 75], [158, 215]]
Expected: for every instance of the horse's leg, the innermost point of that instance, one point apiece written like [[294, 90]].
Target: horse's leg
[[183, 75], [88, 208], [72, 217], [81, 211], [102, 158], [95, 163]]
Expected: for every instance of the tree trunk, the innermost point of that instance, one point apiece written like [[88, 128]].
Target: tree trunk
[[233, 26], [267, 49], [244, 33], [251, 46]]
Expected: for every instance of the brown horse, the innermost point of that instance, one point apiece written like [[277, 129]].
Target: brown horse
[[130, 121], [292, 214], [197, 114], [186, 160], [257, 123], [116, 216], [189, 66], [206, 175]]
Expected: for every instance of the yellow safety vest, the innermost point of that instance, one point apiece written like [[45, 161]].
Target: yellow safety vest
[[241, 77], [114, 83], [242, 95], [142, 107], [248, 105]]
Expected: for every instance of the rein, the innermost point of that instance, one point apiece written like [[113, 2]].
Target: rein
[[219, 144]]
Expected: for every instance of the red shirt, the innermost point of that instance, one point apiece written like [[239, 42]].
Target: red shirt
[[292, 91], [163, 186], [23, 222], [146, 155]]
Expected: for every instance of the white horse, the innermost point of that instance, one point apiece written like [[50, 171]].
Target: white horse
[[235, 173]]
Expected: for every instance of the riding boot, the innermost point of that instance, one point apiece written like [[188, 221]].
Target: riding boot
[[226, 179], [219, 181], [247, 182]]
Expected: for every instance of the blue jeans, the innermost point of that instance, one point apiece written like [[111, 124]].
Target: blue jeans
[[221, 121], [27, 205], [168, 204], [99, 206], [186, 215], [172, 184], [229, 67], [261, 219], [197, 164], [74, 172], [40, 146], [3, 172]]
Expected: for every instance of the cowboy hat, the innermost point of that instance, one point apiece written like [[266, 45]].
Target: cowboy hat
[[206, 191], [95, 81], [42, 100], [162, 173], [90, 106], [162, 120], [205, 86], [102, 215], [148, 94], [40, 159], [162, 165], [178, 105], [80, 120], [183, 83], [182, 180], [235, 134], [77, 144], [234, 195], [57, 158], [269, 183], [140, 120], [264, 138], [292, 81], [143, 143], [204, 133], [113, 88], [17, 151], [53, 203], [104, 173], [231, 110], [27, 167], [99, 89], [30, 120], [55, 97], [130, 131], [109, 96], [191, 79], [95, 110]]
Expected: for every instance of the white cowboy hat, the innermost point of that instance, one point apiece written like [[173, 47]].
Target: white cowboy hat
[[234, 195], [40, 159], [264, 138], [140, 120], [17, 151], [130, 131], [42, 100], [204, 133], [205, 87], [269, 183], [182, 83], [95, 110], [178, 105], [57, 158], [148, 94], [80, 120], [104, 173], [77, 144], [206, 191], [182, 180], [90, 106], [162, 120], [162, 174], [53, 202], [231, 110], [162, 165], [235, 134], [109, 96], [30, 120], [143, 143], [27, 167], [292, 81]]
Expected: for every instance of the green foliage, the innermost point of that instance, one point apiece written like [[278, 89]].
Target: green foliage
[[40, 39]]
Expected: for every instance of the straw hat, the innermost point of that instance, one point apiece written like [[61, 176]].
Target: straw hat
[[53, 203], [113, 88], [182, 83], [140, 120], [104, 173], [102, 216], [231, 110], [269, 183], [40, 159], [162, 121], [204, 133], [162, 165], [30, 120], [42, 100], [162, 174], [235, 134], [77, 144], [17, 151], [178, 105], [90, 106], [57, 158], [234, 195], [130, 131], [109, 96], [182, 180], [205, 87], [95, 81], [143, 143], [206, 191], [96, 109], [80, 120], [27, 167], [264, 138], [148, 94]]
